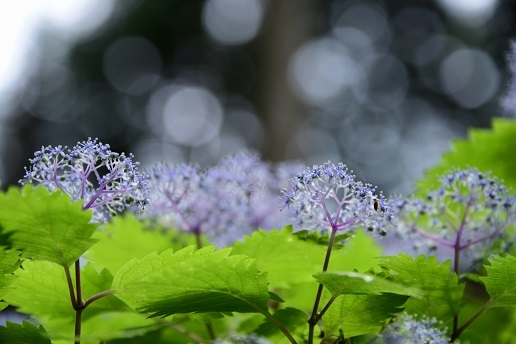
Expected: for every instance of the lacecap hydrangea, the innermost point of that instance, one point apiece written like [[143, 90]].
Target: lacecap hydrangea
[[105, 181], [467, 216], [223, 202], [327, 198], [411, 329]]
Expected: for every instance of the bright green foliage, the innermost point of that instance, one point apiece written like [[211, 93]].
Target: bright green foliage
[[45, 226], [501, 281], [352, 310], [286, 258], [293, 319], [488, 150], [38, 285], [25, 333], [360, 314], [9, 262], [192, 281], [40, 289], [290, 260], [442, 293], [359, 253], [126, 238], [347, 282]]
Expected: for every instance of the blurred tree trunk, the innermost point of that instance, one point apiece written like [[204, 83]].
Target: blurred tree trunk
[[287, 25]]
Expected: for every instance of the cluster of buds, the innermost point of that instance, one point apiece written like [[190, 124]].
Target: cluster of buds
[[106, 182]]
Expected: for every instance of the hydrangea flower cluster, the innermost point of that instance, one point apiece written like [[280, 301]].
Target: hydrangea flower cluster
[[105, 181], [466, 214], [409, 329], [242, 339], [328, 198], [224, 202]]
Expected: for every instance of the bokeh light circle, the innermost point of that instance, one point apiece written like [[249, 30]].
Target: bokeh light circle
[[231, 22]]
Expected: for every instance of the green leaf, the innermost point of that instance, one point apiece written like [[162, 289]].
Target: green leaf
[[41, 290], [9, 262], [25, 333], [360, 314], [126, 238], [488, 150], [501, 281], [45, 226], [347, 282], [192, 281], [442, 293], [289, 259]]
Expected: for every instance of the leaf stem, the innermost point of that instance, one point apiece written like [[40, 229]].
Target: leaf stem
[[314, 317], [70, 287], [98, 296], [211, 331], [282, 328], [79, 306], [78, 321], [80, 302], [458, 332], [325, 308]]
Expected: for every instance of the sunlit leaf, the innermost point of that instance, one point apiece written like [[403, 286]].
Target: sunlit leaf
[[290, 260], [40, 290], [360, 314], [348, 282], [501, 281], [192, 281], [126, 238], [441, 292], [45, 226]]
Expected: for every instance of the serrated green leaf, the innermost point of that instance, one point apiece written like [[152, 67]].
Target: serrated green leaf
[[9, 262], [490, 150], [40, 290], [192, 281], [347, 282], [442, 293], [26, 333], [126, 238], [360, 314], [290, 259], [501, 281], [45, 226]]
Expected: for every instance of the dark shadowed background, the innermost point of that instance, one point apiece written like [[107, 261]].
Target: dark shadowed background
[[380, 85]]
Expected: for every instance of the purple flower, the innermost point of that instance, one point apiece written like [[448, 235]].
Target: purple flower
[[463, 217], [105, 181], [237, 196], [407, 328], [328, 198]]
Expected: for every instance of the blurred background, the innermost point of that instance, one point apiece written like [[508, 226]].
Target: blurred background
[[380, 85]]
